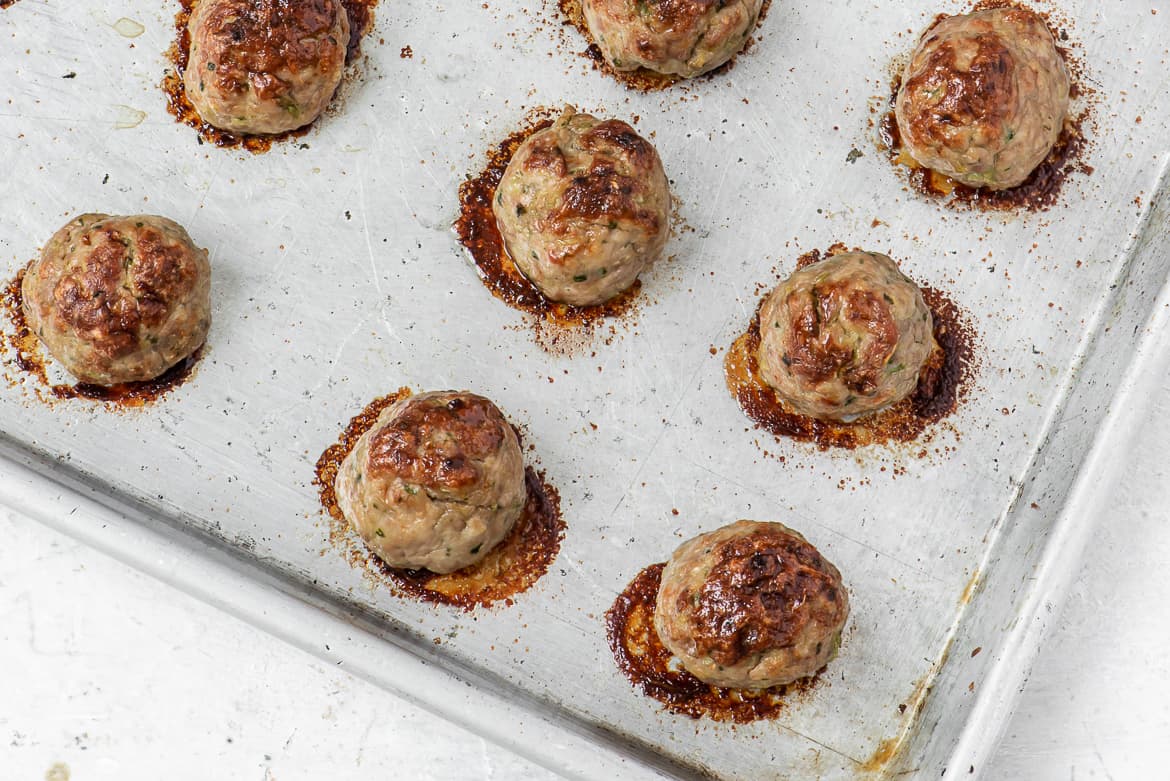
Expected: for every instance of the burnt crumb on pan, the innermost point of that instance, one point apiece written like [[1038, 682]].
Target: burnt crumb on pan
[[646, 662], [558, 327], [24, 349], [511, 568], [1042, 189], [643, 79], [6, 3], [360, 14], [942, 384]]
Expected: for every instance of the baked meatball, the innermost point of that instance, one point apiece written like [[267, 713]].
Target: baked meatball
[[583, 207], [436, 483], [682, 37], [751, 605], [265, 66], [845, 337], [984, 97], [119, 299]]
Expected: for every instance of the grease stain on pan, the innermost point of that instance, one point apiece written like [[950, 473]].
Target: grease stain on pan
[[890, 749], [128, 28], [128, 117], [886, 751], [361, 15], [943, 384], [511, 568], [23, 347]]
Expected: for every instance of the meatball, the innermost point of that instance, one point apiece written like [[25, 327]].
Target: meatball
[[845, 337], [119, 299], [265, 66], [751, 605], [583, 208], [682, 37], [436, 483], [984, 97]]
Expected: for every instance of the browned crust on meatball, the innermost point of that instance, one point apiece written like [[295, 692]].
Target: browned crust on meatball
[[253, 40], [439, 443], [546, 155], [612, 135], [679, 15], [757, 594], [108, 304], [674, 11], [815, 354], [602, 191], [966, 82]]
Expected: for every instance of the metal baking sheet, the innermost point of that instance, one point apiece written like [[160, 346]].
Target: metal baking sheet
[[337, 278]]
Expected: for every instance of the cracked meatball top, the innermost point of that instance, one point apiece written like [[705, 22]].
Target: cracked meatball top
[[681, 37], [583, 207], [265, 66], [436, 483], [751, 605], [119, 299], [984, 97], [845, 337]]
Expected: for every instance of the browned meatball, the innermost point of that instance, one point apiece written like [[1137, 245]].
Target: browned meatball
[[845, 337], [265, 66], [583, 208], [984, 97], [683, 37], [751, 605], [119, 299], [436, 483]]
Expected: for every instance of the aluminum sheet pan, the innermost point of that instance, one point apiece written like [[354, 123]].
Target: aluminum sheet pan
[[337, 278]]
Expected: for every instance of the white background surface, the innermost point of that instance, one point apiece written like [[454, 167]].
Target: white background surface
[[116, 676], [111, 674]]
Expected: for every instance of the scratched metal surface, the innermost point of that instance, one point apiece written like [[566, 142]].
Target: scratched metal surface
[[337, 278]]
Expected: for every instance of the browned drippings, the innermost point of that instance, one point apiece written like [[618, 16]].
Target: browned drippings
[[511, 568], [6, 3], [360, 17], [1041, 190], [644, 79], [942, 383], [25, 348], [479, 233], [642, 657]]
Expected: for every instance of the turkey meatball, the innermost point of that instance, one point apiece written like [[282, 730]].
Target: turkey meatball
[[583, 208], [845, 337], [265, 66], [750, 606], [984, 98], [119, 299], [436, 483], [681, 37]]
